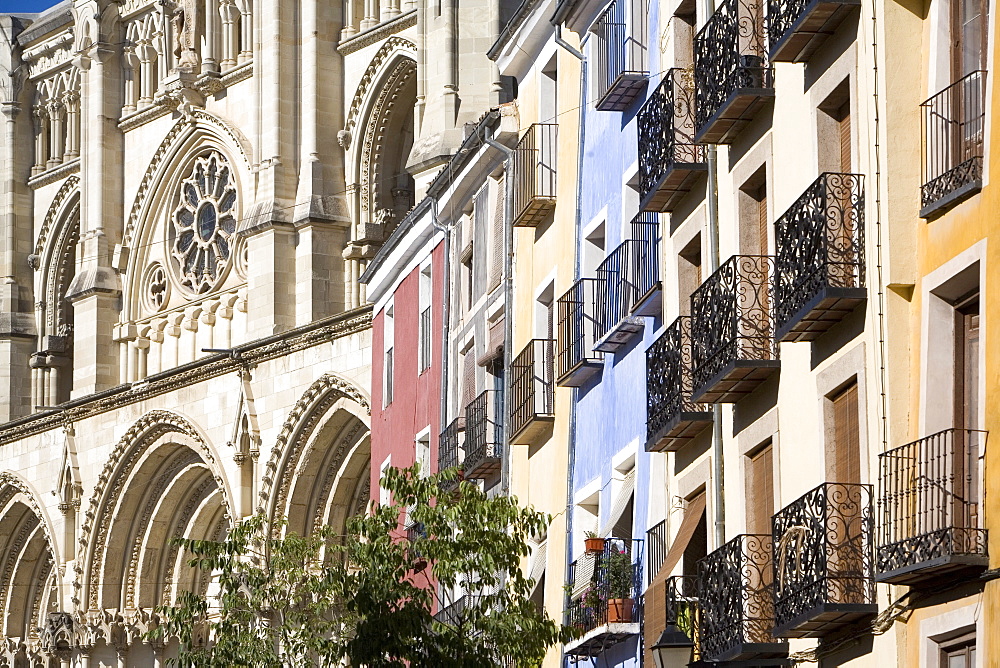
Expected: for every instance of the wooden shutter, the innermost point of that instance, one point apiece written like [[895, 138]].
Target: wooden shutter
[[496, 236], [469, 376], [760, 490], [844, 127], [762, 219], [847, 436]]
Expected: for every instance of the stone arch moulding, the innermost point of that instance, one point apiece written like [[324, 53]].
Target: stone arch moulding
[[392, 48], [56, 213], [304, 418], [367, 160], [10, 480], [143, 435], [189, 137]]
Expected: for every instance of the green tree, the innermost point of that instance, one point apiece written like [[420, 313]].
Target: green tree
[[368, 596]]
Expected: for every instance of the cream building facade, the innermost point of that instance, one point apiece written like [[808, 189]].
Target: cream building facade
[[188, 194]]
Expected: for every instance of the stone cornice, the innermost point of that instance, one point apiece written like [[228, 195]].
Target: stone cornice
[[55, 174], [249, 354], [378, 33]]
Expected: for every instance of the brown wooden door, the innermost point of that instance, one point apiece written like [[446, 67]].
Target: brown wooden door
[[846, 460], [760, 490]]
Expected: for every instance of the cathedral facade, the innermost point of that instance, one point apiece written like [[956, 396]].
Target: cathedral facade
[[189, 192]]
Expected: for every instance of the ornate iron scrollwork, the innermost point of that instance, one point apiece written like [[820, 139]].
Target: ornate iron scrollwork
[[729, 55], [731, 317], [823, 551], [666, 130], [668, 377], [820, 243]]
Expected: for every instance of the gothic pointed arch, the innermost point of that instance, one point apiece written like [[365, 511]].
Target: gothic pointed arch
[[384, 189], [29, 587], [321, 459], [162, 480]]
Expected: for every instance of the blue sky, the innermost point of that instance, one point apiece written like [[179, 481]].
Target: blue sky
[[24, 6]]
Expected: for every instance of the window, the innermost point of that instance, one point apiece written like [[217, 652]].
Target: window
[[689, 273], [468, 376], [753, 214], [422, 455], [497, 235], [468, 276], [760, 490], [425, 318], [384, 495], [968, 34], [697, 546], [966, 362], [545, 313], [844, 459], [388, 373], [833, 126], [959, 653], [593, 250]]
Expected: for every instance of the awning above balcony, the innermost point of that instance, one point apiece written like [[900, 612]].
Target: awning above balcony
[[692, 516], [621, 504]]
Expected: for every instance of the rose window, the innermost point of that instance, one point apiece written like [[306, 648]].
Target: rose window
[[204, 223]]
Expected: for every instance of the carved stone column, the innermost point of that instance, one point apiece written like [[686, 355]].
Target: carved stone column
[[210, 53], [41, 117], [371, 14], [230, 16], [56, 139], [71, 100], [131, 62]]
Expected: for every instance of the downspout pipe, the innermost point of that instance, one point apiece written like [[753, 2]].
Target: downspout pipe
[[571, 455], [446, 315], [508, 297], [705, 10]]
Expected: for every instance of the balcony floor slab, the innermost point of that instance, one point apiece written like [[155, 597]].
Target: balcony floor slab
[[599, 639], [625, 89], [948, 566], [817, 22], [580, 374], [679, 431], [826, 308], [620, 335], [535, 429], [535, 213], [738, 379], [673, 186], [753, 652], [824, 619], [735, 114]]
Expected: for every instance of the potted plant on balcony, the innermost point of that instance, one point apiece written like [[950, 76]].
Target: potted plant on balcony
[[593, 543], [591, 602], [618, 566]]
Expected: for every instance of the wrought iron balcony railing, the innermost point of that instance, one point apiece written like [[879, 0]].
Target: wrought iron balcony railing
[[657, 540], [796, 29], [621, 53], [425, 339], [930, 522], [732, 75], [736, 611], [820, 257], [669, 160], [484, 435], [577, 312], [682, 608], [824, 561], [534, 174], [452, 614], [672, 419], [629, 285], [733, 349], [606, 598], [450, 448], [954, 126], [531, 398]]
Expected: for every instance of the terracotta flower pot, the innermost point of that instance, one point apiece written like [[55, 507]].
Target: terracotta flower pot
[[619, 610], [594, 545]]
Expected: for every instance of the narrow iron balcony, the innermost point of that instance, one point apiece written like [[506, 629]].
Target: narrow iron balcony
[[954, 124], [657, 539], [531, 392], [824, 561], [930, 521], [820, 260], [577, 331], [629, 285], [484, 435], [669, 161], [733, 78], [733, 349], [682, 609], [606, 597], [450, 449], [534, 174], [672, 419], [797, 28], [621, 54], [736, 611]]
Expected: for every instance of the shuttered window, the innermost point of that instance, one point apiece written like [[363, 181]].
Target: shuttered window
[[844, 128], [468, 376], [760, 490], [762, 219], [496, 235], [847, 436]]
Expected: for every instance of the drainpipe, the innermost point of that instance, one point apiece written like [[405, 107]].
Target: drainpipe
[[705, 10], [571, 458], [508, 297], [446, 306]]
